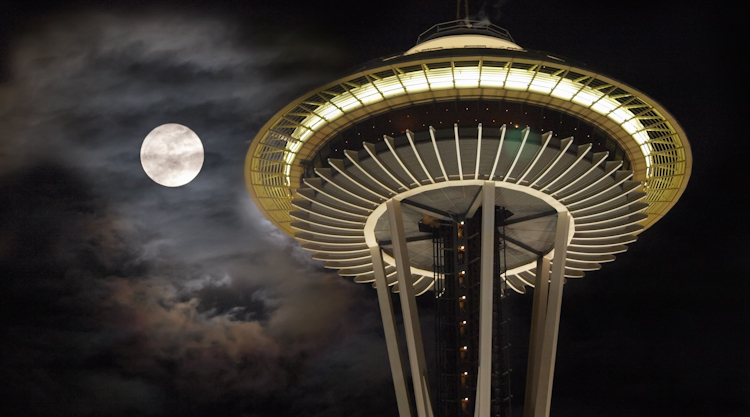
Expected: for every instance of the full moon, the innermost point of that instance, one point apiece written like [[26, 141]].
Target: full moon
[[172, 155]]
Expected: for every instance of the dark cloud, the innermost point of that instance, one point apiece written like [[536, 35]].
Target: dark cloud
[[122, 297], [490, 11]]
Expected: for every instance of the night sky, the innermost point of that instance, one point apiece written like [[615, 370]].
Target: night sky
[[122, 297]]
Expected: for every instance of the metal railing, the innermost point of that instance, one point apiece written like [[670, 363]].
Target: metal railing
[[465, 26]]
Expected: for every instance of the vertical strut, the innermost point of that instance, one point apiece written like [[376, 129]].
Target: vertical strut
[[409, 309], [543, 394], [484, 393], [538, 313], [403, 397]]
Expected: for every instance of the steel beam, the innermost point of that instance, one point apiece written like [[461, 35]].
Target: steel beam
[[388, 242], [409, 310], [543, 397], [530, 217], [429, 210], [521, 245], [476, 202], [403, 396], [486, 276], [538, 313]]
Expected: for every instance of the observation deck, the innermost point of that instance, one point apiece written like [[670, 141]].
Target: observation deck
[[459, 82]]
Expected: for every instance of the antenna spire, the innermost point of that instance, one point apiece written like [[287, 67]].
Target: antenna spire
[[458, 9]]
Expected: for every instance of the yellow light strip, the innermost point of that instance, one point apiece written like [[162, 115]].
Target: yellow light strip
[[468, 77]]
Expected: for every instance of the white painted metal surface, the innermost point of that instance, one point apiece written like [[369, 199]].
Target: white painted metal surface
[[606, 209], [486, 291], [542, 393], [538, 315], [403, 396], [409, 310]]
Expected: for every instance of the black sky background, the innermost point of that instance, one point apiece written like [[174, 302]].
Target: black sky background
[[122, 297]]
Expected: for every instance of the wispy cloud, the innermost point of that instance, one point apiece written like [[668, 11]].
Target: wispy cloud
[[121, 296]]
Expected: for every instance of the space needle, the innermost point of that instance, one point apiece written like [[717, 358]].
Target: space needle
[[463, 169]]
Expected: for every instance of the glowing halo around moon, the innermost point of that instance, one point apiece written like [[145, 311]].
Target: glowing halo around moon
[[172, 155]]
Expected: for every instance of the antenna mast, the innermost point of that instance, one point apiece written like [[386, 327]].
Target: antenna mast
[[458, 9]]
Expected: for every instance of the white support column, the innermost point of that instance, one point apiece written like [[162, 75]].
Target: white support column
[[409, 310], [403, 396], [486, 276], [538, 313], [543, 396]]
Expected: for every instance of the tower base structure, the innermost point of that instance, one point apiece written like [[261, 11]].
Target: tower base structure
[[545, 320], [512, 209]]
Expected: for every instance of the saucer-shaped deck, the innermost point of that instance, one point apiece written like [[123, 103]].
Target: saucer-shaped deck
[[341, 211]]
